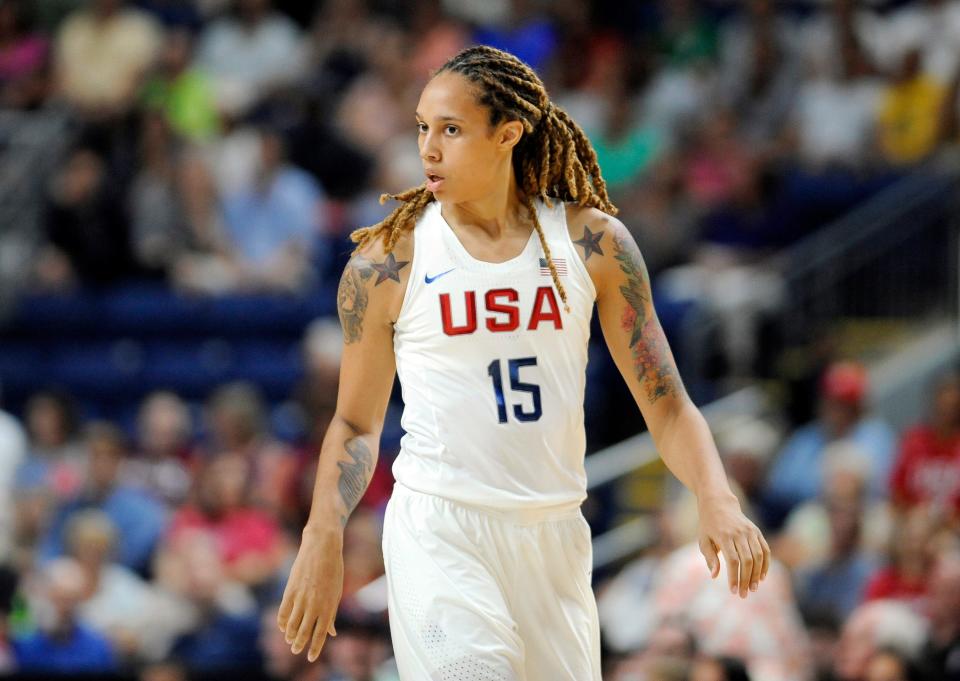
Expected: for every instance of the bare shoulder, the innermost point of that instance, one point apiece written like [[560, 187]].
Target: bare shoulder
[[372, 286], [600, 238]]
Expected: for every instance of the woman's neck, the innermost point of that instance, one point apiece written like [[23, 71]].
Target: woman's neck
[[498, 214]]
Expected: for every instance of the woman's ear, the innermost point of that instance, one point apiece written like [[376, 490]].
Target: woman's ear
[[509, 134]]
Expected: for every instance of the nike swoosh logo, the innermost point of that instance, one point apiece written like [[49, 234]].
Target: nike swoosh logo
[[428, 279]]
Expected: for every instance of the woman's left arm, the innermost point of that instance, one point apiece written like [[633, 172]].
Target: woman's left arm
[[641, 353]]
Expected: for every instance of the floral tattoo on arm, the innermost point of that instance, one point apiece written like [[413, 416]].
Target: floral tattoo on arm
[[652, 362]]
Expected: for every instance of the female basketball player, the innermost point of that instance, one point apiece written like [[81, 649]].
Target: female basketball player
[[478, 290]]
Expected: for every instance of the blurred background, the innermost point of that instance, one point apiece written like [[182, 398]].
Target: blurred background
[[178, 179]]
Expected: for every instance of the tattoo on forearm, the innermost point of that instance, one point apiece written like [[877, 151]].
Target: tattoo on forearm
[[651, 355], [354, 475], [590, 241], [352, 298]]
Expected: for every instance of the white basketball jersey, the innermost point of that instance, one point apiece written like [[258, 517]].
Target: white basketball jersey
[[493, 370]]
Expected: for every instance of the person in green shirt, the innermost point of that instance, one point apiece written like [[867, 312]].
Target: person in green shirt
[[183, 93]]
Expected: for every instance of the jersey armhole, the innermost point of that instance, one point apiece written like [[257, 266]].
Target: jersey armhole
[[578, 263], [404, 304]]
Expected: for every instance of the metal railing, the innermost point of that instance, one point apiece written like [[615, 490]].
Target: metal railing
[[895, 257]]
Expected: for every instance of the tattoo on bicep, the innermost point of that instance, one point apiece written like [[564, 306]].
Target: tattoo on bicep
[[352, 298], [354, 475], [652, 362], [352, 295], [590, 241], [389, 269]]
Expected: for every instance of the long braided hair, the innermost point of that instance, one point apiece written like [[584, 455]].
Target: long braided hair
[[553, 159]]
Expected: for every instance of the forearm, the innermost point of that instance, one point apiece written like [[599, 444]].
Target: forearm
[[687, 448], [347, 459]]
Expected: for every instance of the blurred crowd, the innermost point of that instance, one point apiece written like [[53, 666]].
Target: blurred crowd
[[229, 146]]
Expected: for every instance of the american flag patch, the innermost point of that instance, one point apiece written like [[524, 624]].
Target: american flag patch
[[559, 263]]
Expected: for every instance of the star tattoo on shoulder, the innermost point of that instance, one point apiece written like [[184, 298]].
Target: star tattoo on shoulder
[[590, 241], [389, 269]]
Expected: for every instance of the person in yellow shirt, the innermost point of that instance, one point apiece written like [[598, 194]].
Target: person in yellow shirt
[[101, 55], [909, 116]]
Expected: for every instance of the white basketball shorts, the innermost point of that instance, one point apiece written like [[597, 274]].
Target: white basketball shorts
[[487, 595]]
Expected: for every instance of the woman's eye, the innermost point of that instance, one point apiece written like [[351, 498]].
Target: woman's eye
[[452, 130], [421, 127]]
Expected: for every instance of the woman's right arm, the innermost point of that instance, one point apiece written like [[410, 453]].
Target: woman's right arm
[[368, 299]]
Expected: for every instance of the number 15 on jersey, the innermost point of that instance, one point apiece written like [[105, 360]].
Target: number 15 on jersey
[[516, 385]]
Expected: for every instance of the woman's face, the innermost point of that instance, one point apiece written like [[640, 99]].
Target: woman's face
[[463, 156]]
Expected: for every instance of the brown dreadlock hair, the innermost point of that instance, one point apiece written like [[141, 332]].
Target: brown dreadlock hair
[[553, 159]]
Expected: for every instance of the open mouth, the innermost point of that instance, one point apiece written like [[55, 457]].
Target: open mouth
[[434, 181]]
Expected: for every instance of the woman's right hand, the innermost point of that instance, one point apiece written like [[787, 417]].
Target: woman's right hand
[[313, 591]]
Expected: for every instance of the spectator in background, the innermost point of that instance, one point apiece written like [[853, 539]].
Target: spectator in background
[[248, 54], [205, 264], [768, 635], [835, 585], [54, 439], [836, 109], [13, 451], [871, 628], [911, 559], [249, 542], [626, 149], [85, 226], [759, 73], [909, 114], [165, 454], [766, 632], [158, 230], [62, 644], [139, 519], [116, 602], [223, 638], [927, 470], [372, 113], [182, 92], [941, 653], [237, 423], [274, 223], [53, 470], [102, 54], [23, 59], [797, 472], [806, 536]]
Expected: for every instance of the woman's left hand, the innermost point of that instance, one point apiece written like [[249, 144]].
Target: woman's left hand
[[725, 529]]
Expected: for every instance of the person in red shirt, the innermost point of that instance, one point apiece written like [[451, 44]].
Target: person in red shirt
[[912, 556], [249, 541], [927, 470]]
